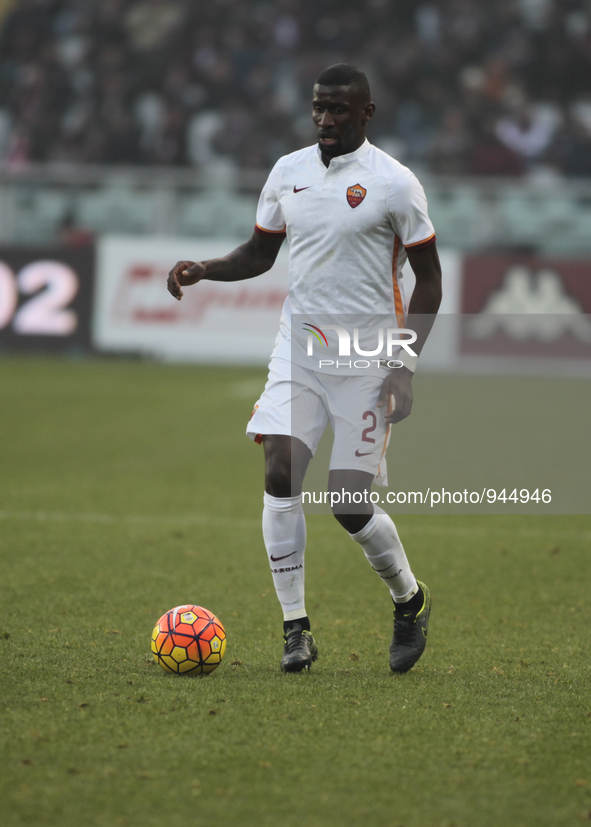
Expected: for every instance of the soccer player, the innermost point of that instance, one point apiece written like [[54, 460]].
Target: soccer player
[[353, 216]]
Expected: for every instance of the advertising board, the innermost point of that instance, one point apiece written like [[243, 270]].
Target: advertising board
[[526, 307], [215, 322], [234, 322], [46, 296]]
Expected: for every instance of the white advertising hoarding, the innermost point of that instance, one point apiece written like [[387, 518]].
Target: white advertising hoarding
[[234, 322]]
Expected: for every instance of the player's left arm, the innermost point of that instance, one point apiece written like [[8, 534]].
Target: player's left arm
[[424, 304]]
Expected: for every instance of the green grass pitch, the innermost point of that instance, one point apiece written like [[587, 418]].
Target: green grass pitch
[[128, 488]]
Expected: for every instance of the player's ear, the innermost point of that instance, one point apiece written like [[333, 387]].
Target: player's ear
[[368, 112]]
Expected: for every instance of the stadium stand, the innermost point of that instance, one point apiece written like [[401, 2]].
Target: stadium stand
[[172, 82], [222, 87]]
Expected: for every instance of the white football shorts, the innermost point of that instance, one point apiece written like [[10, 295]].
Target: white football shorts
[[299, 402]]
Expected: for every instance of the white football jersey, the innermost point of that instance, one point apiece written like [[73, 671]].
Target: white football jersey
[[348, 227]]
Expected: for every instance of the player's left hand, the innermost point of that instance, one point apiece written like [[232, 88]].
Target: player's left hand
[[398, 385]]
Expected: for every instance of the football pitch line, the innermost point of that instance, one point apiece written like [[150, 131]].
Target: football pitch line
[[240, 522]]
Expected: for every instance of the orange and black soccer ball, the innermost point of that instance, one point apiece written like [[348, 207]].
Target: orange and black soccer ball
[[189, 640]]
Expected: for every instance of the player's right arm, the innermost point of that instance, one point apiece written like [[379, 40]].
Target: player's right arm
[[245, 262]]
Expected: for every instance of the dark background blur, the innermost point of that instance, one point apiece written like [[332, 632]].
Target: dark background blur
[[462, 87]]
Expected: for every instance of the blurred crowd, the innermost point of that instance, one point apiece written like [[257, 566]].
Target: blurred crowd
[[461, 86]]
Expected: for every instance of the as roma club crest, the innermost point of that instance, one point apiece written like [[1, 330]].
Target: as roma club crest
[[355, 195]]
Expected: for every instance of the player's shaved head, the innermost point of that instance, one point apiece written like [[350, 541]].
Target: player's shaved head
[[343, 74]]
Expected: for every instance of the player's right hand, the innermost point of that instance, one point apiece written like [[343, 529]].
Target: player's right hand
[[184, 273]]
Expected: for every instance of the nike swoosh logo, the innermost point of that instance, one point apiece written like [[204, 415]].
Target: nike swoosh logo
[[276, 559], [357, 454], [295, 189]]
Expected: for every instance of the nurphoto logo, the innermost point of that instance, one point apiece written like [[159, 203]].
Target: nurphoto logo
[[388, 340]]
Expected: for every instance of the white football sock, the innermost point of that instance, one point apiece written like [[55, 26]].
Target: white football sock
[[284, 533], [385, 553]]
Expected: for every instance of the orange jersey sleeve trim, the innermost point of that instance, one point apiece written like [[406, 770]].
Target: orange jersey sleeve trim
[[263, 231], [398, 304], [417, 245]]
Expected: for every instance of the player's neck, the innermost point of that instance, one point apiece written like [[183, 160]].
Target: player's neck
[[326, 159]]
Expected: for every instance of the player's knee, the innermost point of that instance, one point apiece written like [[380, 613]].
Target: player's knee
[[282, 478], [352, 512], [278, 482], [353, 523]]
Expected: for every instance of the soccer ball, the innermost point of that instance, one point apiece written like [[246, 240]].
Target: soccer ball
[[189, 640]]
